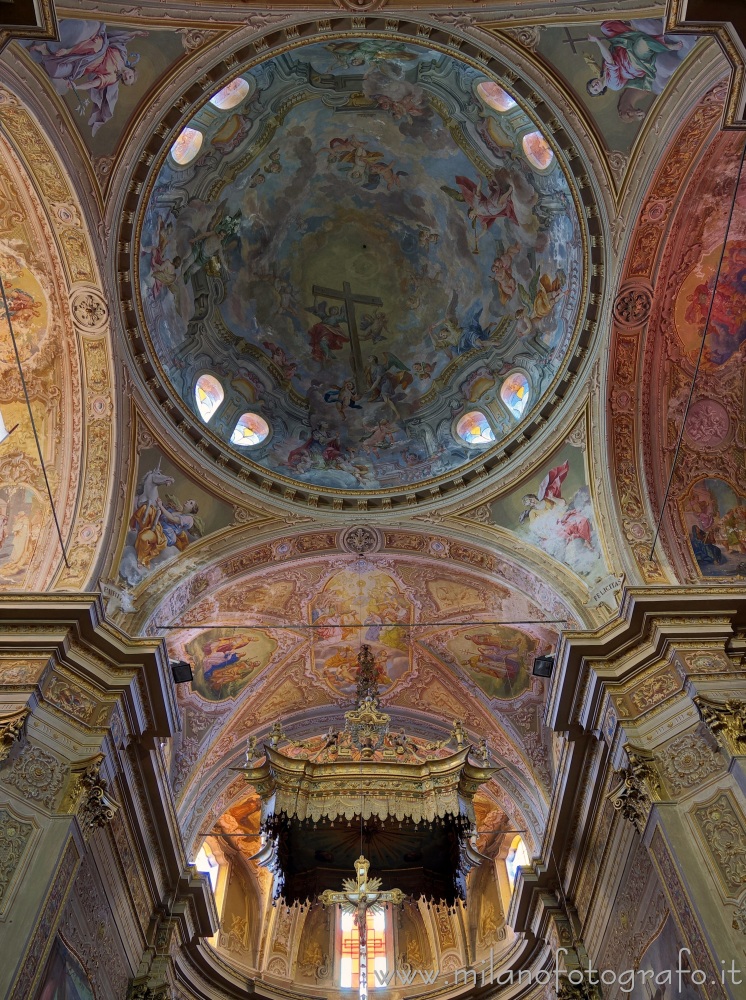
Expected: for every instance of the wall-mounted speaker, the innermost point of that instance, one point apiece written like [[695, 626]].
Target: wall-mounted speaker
[[543, 666], [182, 671]]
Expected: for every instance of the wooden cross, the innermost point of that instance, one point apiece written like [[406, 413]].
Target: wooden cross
[[358, 897], [350, 301], [571, 41]]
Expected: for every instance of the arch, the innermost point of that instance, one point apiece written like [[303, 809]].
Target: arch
[[209, 394], [61, 323]]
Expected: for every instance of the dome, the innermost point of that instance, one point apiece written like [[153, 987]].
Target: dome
[[359, 247]]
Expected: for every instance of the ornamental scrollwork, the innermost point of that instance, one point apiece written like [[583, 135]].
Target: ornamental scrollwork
[[14, 839], [639, 787], [11, 732], [582, 989], [726, 721], [94, 805], [38, 775]]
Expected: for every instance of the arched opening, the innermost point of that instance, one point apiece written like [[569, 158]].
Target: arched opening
[[250, 430], [187, 145], [517, 858], [474, 428], [515, 393], [231, 94], [209, 395]]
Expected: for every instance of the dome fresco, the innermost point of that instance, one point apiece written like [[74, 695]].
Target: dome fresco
[[359, 251]]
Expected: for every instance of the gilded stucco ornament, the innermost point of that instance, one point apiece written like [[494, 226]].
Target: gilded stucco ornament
[[11, 732], [726, 721], [640, 787], [14, 838], [38, 775]]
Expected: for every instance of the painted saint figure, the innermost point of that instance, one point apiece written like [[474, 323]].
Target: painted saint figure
[[629, 58], [92, 57]]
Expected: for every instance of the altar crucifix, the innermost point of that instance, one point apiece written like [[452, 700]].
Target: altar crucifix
[[350, 301], [358, 897]]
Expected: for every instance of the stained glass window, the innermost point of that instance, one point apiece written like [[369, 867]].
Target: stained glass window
[[187, 146], [517, 858], [474, 428], [349, 969], [209, 395], [495, 97], [515, 393], [231, 95], [537, 150], [250, 430]]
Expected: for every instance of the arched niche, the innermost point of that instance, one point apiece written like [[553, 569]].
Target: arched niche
[[61, 324]]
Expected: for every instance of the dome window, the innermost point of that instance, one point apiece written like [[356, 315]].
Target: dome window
[[231, 95], [206, 863], [515, 393], [209, 395], [517, 858], [187, 146], [495, 97], [537, 149], [250, 430], [474, 428]]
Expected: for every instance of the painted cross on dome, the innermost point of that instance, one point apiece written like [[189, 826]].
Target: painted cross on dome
[[350, 300]]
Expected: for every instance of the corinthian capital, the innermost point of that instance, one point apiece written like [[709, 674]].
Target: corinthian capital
[[726, 721]]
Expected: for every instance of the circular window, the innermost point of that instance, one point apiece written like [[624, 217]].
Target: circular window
[[187, 146], [231, 95], [250, 430], [495, 97], [474, 428], [209, 395], [537, 150], [515, 393]]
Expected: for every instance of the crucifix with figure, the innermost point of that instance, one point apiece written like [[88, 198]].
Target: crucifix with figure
[[359, 896], [350, 301]]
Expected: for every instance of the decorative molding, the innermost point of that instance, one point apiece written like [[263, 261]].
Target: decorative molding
[[38, 775], [685, 915], [33, 963], [361, 540], [687, 761], [15, 835], [722, 829]]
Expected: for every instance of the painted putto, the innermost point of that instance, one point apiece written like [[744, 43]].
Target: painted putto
[[356, 247]]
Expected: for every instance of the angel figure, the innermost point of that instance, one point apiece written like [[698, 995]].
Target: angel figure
[[485, 206], [446, 334], [92, 57], [423, 370], [207, 248], [273, 166], [502, 271], [388, 378], [343, 396]]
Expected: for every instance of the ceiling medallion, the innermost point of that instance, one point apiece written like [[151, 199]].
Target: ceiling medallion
[[405, 804], [362, 540], [376, 317]]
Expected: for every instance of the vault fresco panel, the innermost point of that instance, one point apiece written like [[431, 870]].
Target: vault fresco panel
[[617, 68]]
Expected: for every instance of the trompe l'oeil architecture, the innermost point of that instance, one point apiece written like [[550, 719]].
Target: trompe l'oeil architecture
[[372, 501]]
